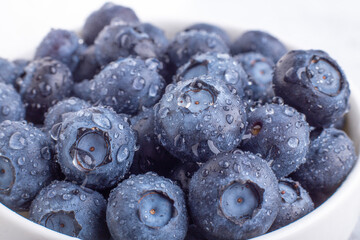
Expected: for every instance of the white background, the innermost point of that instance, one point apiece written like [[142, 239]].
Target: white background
[[333, 26]]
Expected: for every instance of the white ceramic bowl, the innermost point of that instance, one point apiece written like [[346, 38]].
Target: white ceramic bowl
[[333, 220]]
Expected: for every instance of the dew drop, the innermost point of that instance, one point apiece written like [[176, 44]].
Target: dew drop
[[138, 83], [17, 141], [122, 154], [293, 142], [153, 90], [229, 119], [101, 120]]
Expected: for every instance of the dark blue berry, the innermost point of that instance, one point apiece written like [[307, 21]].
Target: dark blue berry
[[102, 17], [261, 42], [234, 196], [57, 113], [216, 65], [182, 174], [295, 203], [46, 82], [260, 70], [126, 85], [313, 83], [189, 43], [211, 29], [72, 210], [147, 207], [119, 41], [87, 66], [280, 134], [151, 156], [62, 45], [330, 159], [11, 106], [95, 146], [198, 118], [25, 163]]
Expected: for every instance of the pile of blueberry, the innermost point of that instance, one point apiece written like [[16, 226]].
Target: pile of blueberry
[[119, 133]]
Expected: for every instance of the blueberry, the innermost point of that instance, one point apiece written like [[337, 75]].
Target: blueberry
[[57, 113], [102, 17], [330, 159], [25, 163], [151, 155], [211, 29], [8, 71], [234, 196], [198, 118], [95, 146], [11, 106], [126, 85], [188, 43], [280, 134], [313, 83], [261, 42], [260, 70], [295, 203], [46, 82], [218, 66], [87, 66], [72, 210], [119, 41], [182, 173], [62, 45], [147, 207]]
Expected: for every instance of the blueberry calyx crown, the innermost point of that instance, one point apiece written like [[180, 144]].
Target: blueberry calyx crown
[[155, 209], [91, 149], [239, 201], [63, 222], [289, 191]]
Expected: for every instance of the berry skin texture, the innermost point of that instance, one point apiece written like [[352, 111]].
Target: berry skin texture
[[280, 134], [330, 159], [25, 163], [211, 29], [46, 82], [151, 156], [72, 210], [102, 17], [95, 147], [62, 45], [189, 43], [11, 106], [234, 196], [260, 70], [126, 85], [295, 203], [120, 41], [8, 71], [218, 66], [313, 83], [198, 118], [58, 112], [147, 207], [261, 42]]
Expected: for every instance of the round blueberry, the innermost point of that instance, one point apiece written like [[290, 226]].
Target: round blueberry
[[295, 203], [46, 82], [234, 196], [147, 207], [280, 134], [126, 85], [260, 70], [25, 163], [198, 118], [95, 146], [261, 42], [8, 71], [87, 66], [210, 28], [313, 83], [188, 43], [72, 210], [219, 66], [103, 16]]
